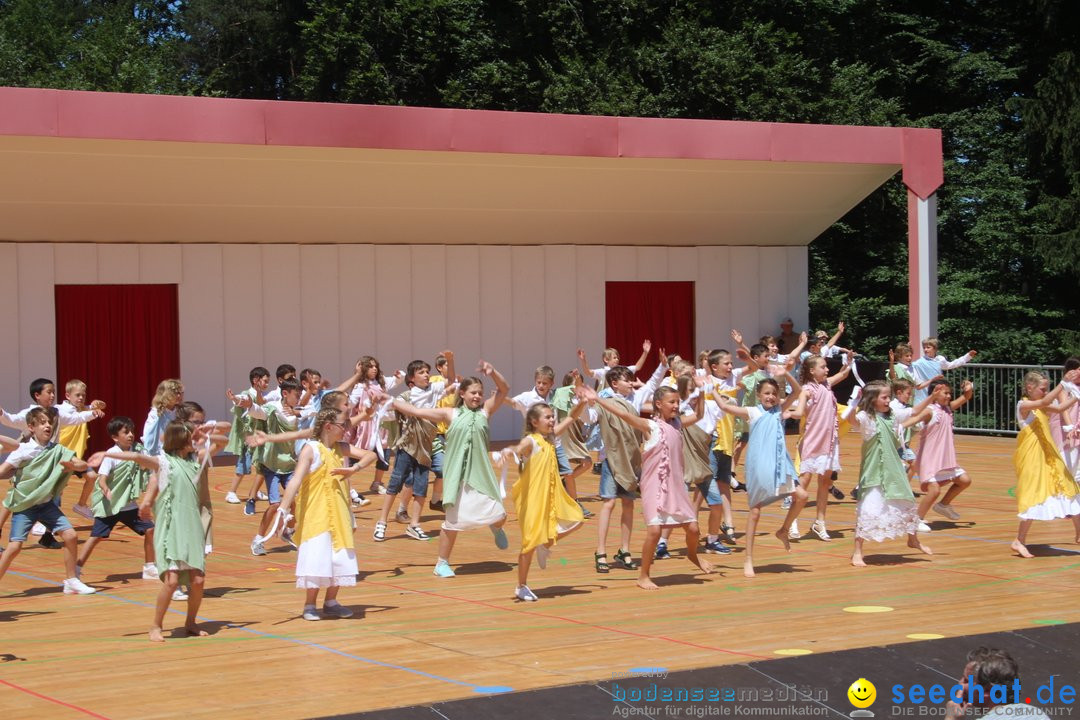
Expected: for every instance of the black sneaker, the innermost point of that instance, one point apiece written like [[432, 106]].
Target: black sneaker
[[662, 552], [48, 541], [596, 468], [836, 492]]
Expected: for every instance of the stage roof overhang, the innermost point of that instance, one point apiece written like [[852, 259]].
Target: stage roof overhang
[[103, 167]]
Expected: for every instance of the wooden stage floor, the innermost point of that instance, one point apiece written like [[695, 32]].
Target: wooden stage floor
[[417, 638]]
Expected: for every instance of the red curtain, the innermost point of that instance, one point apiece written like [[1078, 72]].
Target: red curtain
[[659, 311], [121, 340]]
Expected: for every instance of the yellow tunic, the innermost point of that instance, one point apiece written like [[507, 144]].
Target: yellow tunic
[[542, 503], [322, 504], [1040, 470], [725, 424], [75, 438]]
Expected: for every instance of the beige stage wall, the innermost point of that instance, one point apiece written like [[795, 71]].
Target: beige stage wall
[[325, 305]]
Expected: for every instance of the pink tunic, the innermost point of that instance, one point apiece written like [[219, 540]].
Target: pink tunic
[[820, 435], [364, 434], [663, 492], [937, 453]]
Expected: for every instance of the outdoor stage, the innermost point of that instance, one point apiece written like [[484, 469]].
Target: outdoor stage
[[418, 639]]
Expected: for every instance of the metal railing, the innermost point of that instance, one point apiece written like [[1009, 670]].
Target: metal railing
[[992, 409]]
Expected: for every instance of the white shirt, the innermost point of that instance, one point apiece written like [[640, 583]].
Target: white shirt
[[601, 373], [263, 412], [426, 397], [68, 415], [26, 452], [523, 401]]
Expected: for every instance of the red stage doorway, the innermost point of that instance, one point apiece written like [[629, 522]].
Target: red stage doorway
[[121, 340], [659, 311]]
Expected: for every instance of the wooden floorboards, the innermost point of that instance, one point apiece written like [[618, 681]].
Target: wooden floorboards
[[418, 638]]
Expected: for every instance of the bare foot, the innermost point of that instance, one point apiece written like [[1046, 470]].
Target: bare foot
[[195, 631], [155, 635], [1021, 549], [857, 561], [748, 568], [705, 565], [647, 584], [914, 542], [782, 536]]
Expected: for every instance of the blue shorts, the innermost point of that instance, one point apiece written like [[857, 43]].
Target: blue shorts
[[275, 483], [710, 492], [720, 462], [609, 488], [408, 473], [48, 514], [436, 460], [564, 462], [103, 526], [243, 461]]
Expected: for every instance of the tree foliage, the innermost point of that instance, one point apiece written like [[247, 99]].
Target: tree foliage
[[1001, 78]]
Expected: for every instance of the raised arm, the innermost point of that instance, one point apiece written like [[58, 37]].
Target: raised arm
[[632, 419], [501, 388], [572, 416], [836, 336], [892, 366], [585, 371], [451, 373], [645, 348], [966, 393], [803, 339], [433, 415], [796, 390], [962, 360], [699, 404], [845, 370], [8, 444]]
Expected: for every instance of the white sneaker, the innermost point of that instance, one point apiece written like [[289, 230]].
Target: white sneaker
[[262, 496], [83, 510], [354, 496], [734, 482], [38, 529], [257, 548], [946, 510], [75, 586], [310, 613], [149, 572], [179, 594], [231, 498], [785, 504], [793, 531], [818, 529], [525, 594], [923, 527]]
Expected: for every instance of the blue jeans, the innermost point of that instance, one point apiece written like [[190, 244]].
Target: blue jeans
[[408, 472], [47, 513]]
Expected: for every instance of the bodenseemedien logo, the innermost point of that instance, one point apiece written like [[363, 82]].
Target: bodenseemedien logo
[[861, 694]]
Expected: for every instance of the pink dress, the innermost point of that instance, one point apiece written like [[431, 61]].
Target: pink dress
[[1069, 446], [663, 491], [937, 453], [365, 435], [819, 449]]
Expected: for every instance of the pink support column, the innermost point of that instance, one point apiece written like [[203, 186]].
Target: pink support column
[[924, 173]]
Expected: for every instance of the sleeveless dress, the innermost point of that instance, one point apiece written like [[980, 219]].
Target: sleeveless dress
[[819, 448], [544, 508], [936, 461], [770, 473], [664, 500], [471, 494], [179, 534], [1069, 447], [886, 507], [324, 528], [1045, 490]]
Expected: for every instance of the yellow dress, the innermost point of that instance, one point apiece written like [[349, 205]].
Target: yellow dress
[[75, 438], [324, 531], [1045, 489], [544, 508]]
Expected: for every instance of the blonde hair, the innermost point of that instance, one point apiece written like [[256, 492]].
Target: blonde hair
[[932, 342], [1032, 379], [326, 416], [73, 385], [610, 353], [168, 394]]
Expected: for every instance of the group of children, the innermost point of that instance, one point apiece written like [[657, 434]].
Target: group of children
[[673, 441]]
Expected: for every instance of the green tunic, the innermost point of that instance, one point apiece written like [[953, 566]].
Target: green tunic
[[179, 535], [39, 480], [243, 425], [881, 464], [126, 481], [278, 457], [466, 456]]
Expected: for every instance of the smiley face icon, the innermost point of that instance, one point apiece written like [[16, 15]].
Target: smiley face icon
[[862, 693]]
